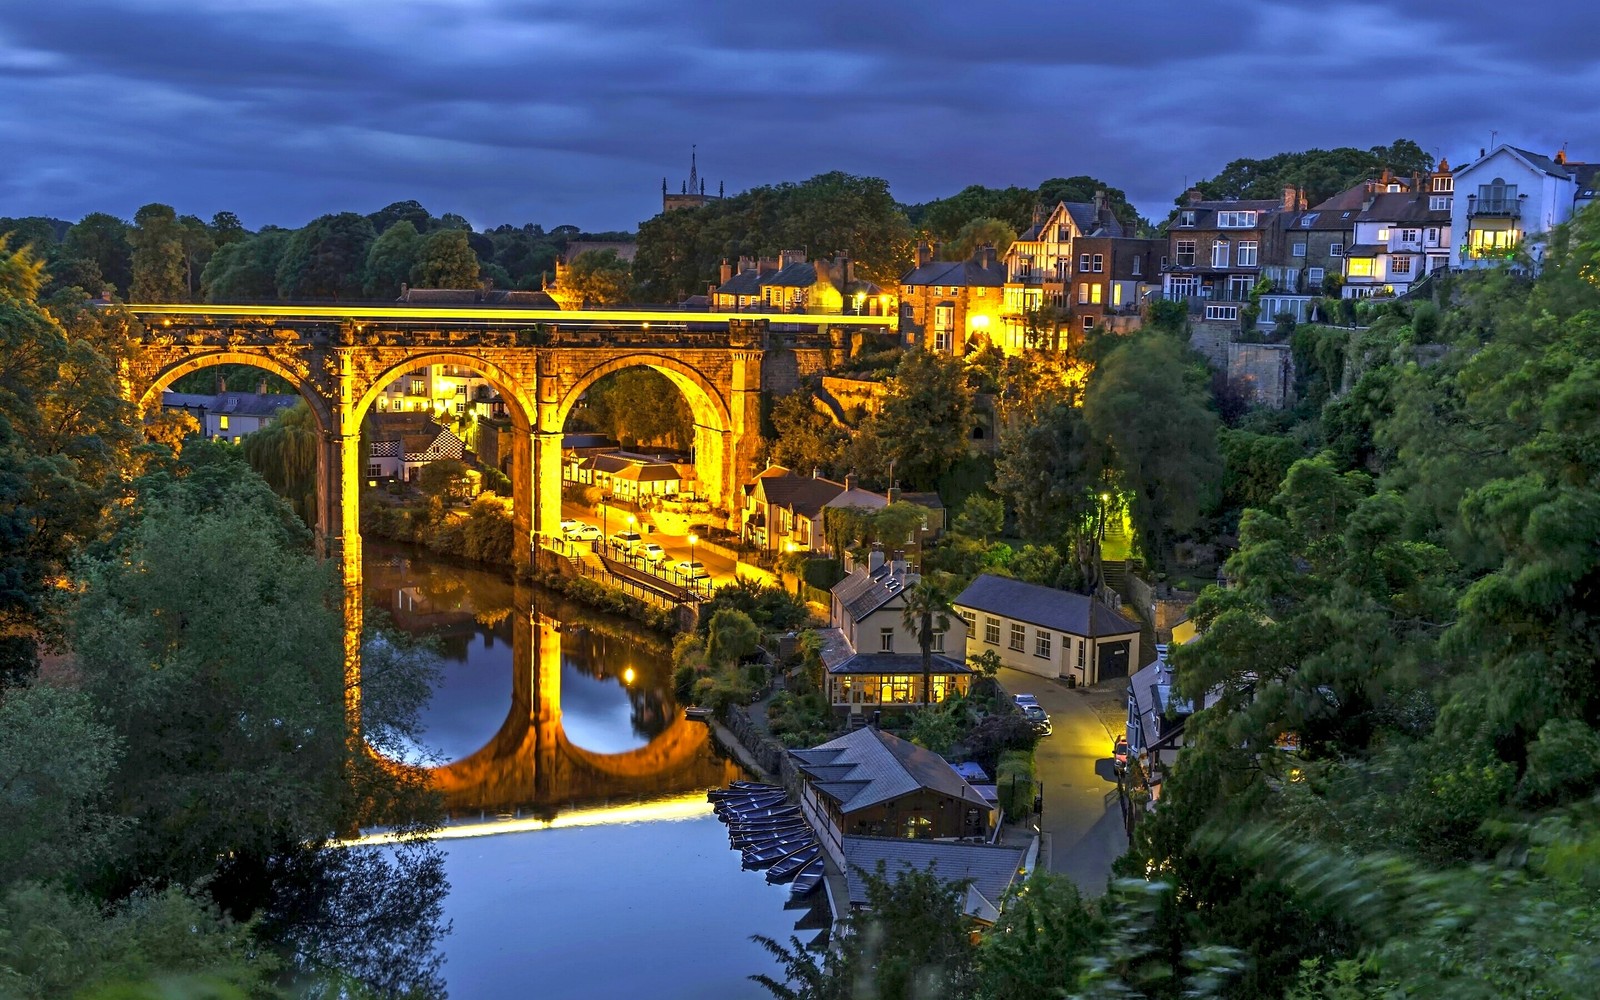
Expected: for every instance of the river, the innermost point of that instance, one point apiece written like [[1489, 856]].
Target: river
[[583, 858]]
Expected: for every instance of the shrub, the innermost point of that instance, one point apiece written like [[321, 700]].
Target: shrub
[[1015, 782]]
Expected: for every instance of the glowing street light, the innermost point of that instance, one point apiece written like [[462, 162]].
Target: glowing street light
[[692, 540], [628, 675]]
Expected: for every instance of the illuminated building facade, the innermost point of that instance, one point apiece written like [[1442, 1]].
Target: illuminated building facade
[[953, 306]]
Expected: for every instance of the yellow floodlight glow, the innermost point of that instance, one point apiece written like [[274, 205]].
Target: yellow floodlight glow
[[628, 676], [666, 316], [980, 322], [680, 807]]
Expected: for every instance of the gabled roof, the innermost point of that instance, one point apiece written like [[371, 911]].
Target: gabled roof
[[236, 404], [882, 767], [1086, 218], [804, 495], [957, 273], [858, 497], [863, 592], [1403, 208], [186, 400], [798, 275], [988, 868], [744, 283], [1060, 610]]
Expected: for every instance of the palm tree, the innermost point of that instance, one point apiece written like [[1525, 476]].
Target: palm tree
[[927, 610]]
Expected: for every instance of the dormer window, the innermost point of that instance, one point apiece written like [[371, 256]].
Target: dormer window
[[1186, 217], [1236, 220], [1444, 185]]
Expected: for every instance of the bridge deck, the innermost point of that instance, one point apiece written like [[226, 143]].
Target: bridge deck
[[480, 315]]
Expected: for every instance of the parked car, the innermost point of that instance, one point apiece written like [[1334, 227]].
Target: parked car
[[1024, 700], [1039, 719], [569, 527], [1119, 753], [652, 554], [689, 572], [626, 542], [586, 533]]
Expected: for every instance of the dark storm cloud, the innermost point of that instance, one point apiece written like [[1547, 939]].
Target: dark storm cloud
[[519, 110]]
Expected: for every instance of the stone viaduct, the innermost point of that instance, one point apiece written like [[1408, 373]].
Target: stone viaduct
[[540, 361]]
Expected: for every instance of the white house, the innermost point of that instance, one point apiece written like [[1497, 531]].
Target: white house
[[229, 416], [402, 443], [1044, 631], [1510, 197]]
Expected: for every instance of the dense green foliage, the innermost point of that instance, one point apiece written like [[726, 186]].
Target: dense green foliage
[[1320, 173], [636, 407], [945, 218]]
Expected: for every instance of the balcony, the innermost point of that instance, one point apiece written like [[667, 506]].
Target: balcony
[[1504, 208]]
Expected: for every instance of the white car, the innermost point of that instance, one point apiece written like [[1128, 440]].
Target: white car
[[586, 533], [652, 554], [569, 527], [1025, 701], [691, 571], [626, 542]]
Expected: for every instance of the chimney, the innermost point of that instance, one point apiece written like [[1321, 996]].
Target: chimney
[[937, 246], [261, 387], [1289, 199], [849, 481], [727, 271], [875, 557], [405, 291], [746, 263], [1561, 157], [1193, 196], [985, 256], [897, 568], [1481, 152], [847, 268], [816, 473], [1101, 203], [924, 253], [894, 493]]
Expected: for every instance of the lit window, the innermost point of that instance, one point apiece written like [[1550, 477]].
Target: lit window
[[419, 387], [1358, 267], [222, 423], [971, 621], [1019, 636], [1383, 235], [1041, 644], [991, 631]]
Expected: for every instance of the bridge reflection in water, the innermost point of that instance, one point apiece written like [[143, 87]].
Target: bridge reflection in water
[[530, 765]]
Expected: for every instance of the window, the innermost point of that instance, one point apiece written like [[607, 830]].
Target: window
[[1247, 253], [991, 631], [222, 423], [1186, 217], [1236, 220], [885, 640], [1099, 263], [944, 321], [419, 387], [1399, 265], [1088, 322], [1433, 236], [1358, 267], [1083, 263], [1313, 279], [1383, 235], [1041, 644], [1089, 293], [1081, 645], [1299, 250], [374, 471], [1137, 261], [1019, 635], [971, 621], [1228, 313], [1335, 249], [1184, 286], [938, 642], [1446, 184], [1439, 203], [1219, 253], [1410, 235], [1185, 253]]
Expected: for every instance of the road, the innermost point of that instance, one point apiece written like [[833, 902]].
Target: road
[[721, 570], [1081, 814]]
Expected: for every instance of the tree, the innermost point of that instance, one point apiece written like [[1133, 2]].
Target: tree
[[1082, 189], [638, 406], [446, 260], [246, 270], [927, 610], [401, 211], [733, 636], [226, 228], [922, 429], [159, 267], [103, 239], [599, 278], [391, 259], [977, 233], [198, 244], [981, 517], [1320, 173], [804, 438], [1147, 410], [284, 453], [326, 259], [445, 478], [1046, 472]]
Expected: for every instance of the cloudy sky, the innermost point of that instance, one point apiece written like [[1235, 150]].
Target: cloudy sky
[[571, 112]]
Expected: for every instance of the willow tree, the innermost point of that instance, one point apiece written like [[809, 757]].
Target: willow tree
[[284, 453]]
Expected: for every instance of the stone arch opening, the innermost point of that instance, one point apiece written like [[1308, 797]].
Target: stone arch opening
[[151, 397], [711, 452]]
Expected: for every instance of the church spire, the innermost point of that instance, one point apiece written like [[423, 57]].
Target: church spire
[[694, 169]]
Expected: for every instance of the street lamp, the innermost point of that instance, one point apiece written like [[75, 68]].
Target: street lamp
[[692, 539], [631, 522]]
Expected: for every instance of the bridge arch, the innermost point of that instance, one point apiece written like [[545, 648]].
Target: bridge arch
[[518, 403], [713, 420], [210, 359]]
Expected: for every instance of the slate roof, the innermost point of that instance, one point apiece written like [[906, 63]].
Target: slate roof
[[990, 868], [186, 400], [882, 767], [1542, 162], [1588, 177], [1365, 250], [743, 283], [1403, 208], [800, 275], [968, 273], [805, 495], [478, 297], [1088, 222], [1060, 610], [862, 592], [1152, 694], [858, 497], [896, 663], [1319, 220], [236, 404]]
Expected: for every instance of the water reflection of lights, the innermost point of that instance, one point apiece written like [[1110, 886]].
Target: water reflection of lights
[[693, 806]]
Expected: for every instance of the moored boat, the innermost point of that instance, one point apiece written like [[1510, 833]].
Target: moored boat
[[761, 857], [792, 865], [808, 878]]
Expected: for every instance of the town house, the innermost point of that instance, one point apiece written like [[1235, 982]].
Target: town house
[[1213, 257], [1041, 263], [230, 416], [952, 306], [1509, 197], [1044, 631]]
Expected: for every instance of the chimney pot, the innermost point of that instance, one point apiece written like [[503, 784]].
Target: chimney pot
[[875, 557], [849, 481], [727, 271], [1193, 196]]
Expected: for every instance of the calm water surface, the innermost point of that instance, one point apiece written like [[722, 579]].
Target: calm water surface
[[547, 710]]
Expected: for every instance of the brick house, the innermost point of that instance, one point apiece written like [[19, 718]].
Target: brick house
[[1110, 279], [952, 306], [1213, 257]]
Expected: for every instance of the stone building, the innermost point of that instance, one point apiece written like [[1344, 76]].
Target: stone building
[[952, 306]]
